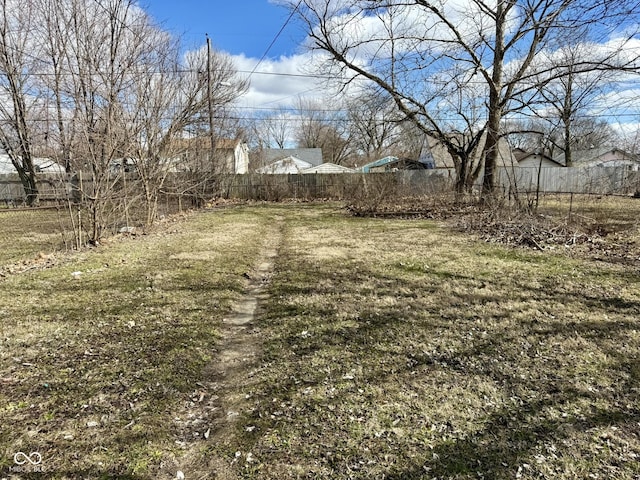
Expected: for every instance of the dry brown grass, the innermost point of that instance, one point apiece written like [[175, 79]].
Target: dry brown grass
[[100, 353], [392, 348], [396, 349], [26, 234]]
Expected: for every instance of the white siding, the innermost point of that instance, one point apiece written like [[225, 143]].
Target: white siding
[[328, 168], [286, 165]]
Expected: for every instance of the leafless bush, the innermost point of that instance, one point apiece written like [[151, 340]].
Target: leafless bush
[[372, 192]]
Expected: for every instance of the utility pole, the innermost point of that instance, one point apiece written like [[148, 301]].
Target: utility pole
[[210, 102]]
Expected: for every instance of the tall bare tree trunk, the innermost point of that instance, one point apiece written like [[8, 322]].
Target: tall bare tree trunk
[[491, 147], [15, 134]]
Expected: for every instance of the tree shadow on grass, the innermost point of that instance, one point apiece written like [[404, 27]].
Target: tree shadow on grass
[[421, 345], [503, 448]]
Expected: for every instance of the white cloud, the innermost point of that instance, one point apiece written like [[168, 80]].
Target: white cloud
[[277, 82], [281, 81], [363, 33]]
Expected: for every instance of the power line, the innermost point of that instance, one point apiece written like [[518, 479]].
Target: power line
[[279, 74], [264, 55], [302, 118]]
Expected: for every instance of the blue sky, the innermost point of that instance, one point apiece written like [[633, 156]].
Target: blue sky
[[235, 26], [244, 29]]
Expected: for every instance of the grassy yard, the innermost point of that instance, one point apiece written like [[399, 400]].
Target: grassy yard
[[98, 354], [26, 234], [392, 349], [607, 214]]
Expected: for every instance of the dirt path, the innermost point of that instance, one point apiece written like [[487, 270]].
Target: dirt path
[[218, 403], [240, 346]]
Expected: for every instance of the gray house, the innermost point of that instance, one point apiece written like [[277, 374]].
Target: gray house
[[268, 156]]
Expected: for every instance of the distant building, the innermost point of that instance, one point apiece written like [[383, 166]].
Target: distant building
[[442, 158], [328, 168], [285, 165], [601, 157], [194, 154], [392, 164], [233, 155], [313, 156], [40, 165], [534, 160]]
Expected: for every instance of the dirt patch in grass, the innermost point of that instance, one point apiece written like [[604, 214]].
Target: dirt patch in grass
[[227, 378]]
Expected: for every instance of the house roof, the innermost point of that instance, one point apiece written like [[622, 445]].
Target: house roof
[[521, 156], [328, 168], [404, 163], [203, 143], [378, 163], [594, 154], [285, 165], [47, 165], [44, 165], [311, 155], [227, 143]]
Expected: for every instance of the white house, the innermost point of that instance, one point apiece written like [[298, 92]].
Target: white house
[[234, 155], [231, 156], [602, 157], [270, 155], [41, 165], [534, 160], [328, 168], [286, 165]]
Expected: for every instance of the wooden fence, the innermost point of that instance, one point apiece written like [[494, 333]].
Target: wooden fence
[[332, 185], [598, 180], [51, 187]]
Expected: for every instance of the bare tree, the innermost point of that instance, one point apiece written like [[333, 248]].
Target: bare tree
[[373, 122], [547, 135], [100, 88], [630, 141], [567, 100], [323, 128], [125, 98], [18, 62], [103, 54], [455, 69], [167, 98], [55, 26], [276, 130]]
